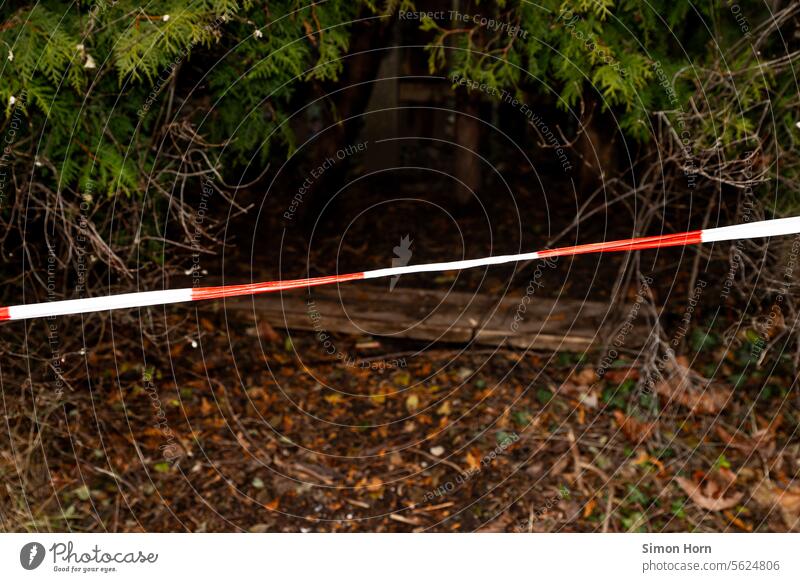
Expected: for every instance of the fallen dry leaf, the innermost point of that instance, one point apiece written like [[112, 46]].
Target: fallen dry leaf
[[707, 401], [588, 509], [636, 431], [692, 489], [335, 398], [267, 332], [738, 521], [444, 409], [645, 457], [582, 393], [619, 375], [587, 376], [473, 459], [787, 501], [763, 441]]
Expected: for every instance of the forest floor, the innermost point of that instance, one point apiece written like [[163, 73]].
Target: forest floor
[[212, 420], [452, 439]]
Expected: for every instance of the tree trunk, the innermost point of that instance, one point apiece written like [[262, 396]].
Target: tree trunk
[[467, 169]]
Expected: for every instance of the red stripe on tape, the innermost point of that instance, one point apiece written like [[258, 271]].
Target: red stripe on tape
[[631, 244], [202, 293], [5, 313]]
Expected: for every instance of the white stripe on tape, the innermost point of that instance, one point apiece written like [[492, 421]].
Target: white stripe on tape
[[450, 265], [106, 303], [762, 229]]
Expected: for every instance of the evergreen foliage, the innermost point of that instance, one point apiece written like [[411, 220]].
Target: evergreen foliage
[[94, 79]]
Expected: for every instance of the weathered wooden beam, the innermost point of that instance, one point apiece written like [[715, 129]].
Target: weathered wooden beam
[[450, 316]]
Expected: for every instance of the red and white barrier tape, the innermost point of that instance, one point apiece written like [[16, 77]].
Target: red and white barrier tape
[[766, 228]]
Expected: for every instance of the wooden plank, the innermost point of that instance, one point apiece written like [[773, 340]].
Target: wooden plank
[[442, 316]]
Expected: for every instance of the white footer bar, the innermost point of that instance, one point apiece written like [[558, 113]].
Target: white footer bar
[[400, 557]]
